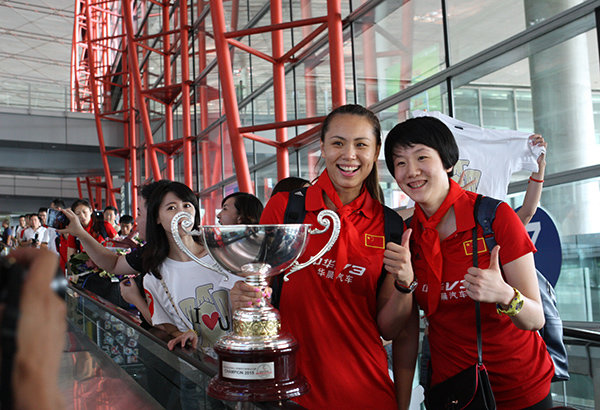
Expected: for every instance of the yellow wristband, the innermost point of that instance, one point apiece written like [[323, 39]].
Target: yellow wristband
[[514, 307]]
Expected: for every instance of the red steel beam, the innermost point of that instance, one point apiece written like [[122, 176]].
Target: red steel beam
[[282, 124], [170, 171], [185, 95], [277, 27], [251, 50], [137, 81], [307, 39], [229, 97], [264, 140], [208, 203], [279, 96], [95, 100], [336, 53]]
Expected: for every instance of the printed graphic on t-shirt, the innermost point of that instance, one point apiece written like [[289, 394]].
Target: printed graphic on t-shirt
[[326, 270], [209, 313], [454, 290], [467, 178]]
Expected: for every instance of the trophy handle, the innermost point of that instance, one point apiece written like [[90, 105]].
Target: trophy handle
[[186, 223], [321, 218]]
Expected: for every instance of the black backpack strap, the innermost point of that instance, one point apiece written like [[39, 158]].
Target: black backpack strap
[[295, 211], [485, 210], [393, 228]]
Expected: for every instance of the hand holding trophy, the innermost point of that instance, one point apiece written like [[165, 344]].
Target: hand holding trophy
[[256, 361]]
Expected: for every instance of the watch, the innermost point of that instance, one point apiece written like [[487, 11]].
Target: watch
[[514, 306], [406, 289]]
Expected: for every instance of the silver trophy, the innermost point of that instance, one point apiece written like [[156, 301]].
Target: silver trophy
[[256, 361]]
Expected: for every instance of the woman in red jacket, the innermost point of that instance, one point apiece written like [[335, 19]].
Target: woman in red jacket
[[421, 153], [334, 307]]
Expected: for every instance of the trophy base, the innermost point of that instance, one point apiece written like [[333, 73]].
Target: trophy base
[[253, 373]]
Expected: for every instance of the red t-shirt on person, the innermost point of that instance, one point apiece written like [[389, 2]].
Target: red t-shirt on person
[[519, 366], [334, 318]]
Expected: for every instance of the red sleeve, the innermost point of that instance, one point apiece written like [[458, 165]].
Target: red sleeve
[[110, 230], [275, 209], [71, 241], [511, 234]]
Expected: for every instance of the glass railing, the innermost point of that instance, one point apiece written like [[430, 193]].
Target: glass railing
[[174, 379]]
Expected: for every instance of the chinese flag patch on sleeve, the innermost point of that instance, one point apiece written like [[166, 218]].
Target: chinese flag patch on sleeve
[[374, 241]]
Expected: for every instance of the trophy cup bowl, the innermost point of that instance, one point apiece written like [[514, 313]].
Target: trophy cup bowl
[[256, 361]]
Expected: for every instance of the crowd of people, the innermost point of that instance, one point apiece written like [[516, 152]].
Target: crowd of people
[[361, 291]]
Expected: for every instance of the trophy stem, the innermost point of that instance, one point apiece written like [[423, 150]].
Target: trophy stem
[[257, 277]]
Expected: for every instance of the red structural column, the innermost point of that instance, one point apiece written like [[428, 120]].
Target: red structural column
[[406, 55], [185, 95], [336, 52], [369, 59], [129, 99], [279, 97], [170, 171], [202, 92], [229, 97], [310, 79], [134, 70], [92, 63]]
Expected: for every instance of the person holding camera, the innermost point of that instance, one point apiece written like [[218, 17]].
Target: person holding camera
[[34, 234], [99, 229], [33, 380]]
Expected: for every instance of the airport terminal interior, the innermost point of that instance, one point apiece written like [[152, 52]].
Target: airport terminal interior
[[99, 97]]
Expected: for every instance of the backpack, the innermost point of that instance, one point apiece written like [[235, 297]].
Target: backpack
[[552, 332], [295, 211]]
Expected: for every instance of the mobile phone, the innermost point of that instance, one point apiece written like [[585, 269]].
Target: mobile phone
[[56, 219]]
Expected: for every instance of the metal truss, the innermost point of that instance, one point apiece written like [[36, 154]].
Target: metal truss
[[117, 47]]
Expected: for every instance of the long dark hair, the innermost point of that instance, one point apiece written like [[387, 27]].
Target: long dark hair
[[156, 249], [372, 180], [97, 221]]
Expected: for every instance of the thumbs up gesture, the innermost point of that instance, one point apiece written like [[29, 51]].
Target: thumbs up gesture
[[396, 259], [487, 285]]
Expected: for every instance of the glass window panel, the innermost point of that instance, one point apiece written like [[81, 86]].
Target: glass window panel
[[396, 46], [264, 151], [474, 25], [309, 158], [554, 99], [266, 178], [498, 109], [467, 105]]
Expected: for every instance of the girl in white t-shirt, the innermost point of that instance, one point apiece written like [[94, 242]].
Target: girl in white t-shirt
[[185, 299]]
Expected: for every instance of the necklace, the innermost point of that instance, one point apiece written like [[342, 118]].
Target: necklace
[[185, 322]]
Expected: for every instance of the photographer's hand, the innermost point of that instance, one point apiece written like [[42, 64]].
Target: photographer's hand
[[74, 227], [40, 333]]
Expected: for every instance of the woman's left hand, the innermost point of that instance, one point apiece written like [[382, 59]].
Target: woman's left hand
[[188, 337], [396, 260], [487, 285]]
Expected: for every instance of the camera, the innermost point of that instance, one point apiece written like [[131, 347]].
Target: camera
[[56, 219]]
